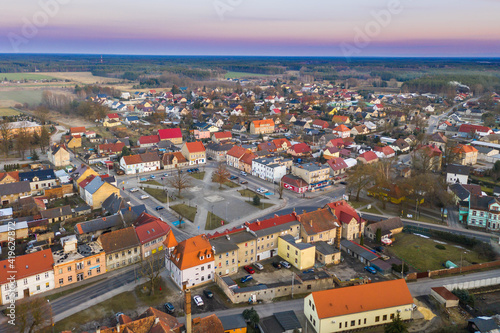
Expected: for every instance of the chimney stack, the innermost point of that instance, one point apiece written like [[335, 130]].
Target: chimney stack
[[311, 223], [187, 294], [118, 327]]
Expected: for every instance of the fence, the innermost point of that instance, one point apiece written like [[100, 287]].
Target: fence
[[474, 284], [451, 271]]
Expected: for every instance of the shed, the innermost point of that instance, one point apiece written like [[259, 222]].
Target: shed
[[444, 296]]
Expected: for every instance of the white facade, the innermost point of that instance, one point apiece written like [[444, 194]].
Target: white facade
[[270, 171], [29, 286], [452, 178], [192, 276], [131, 169]]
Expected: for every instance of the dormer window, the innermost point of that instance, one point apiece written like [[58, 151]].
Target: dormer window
[[202, 257], [208, 255]]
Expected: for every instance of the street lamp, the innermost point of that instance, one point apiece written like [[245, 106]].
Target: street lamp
[[461, 261], [51, 316]]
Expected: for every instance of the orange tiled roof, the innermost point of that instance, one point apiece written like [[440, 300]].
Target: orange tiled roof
[[236, 151], [188, 252], [27, 265], [170, 241], [362, 298], [465, 149], [223, 135], [195, 147], [263, 122], [317, 221], [13, 174], [209, 324], [342, 128], [132, 159]]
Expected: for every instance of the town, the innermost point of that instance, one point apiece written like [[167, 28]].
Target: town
[[318, 207]]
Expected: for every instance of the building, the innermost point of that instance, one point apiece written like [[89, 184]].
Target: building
[[300, 255], [12, 192], [121, 246], [342, 131], [151, 232], [148, 141], [39, 179], [77, 130], [319, 225], [110, 148], [174, 160], [281, 322], [268, 169], [57, 214], [245, 239], [34, 275], [218, 151], [326, 254], [218, 137], [174, 135], [234, 323], [299, 149], [194, 152], [445, 297], [368, 157], [358, 307], [59, 156], [234, 156], [191, 263], [26, 126], [482, 212], [264, 126], [74, 263], [352, 224], [314, 174], [146, 162], [294, 183], [466, 155], [9, 177], [337, 166], [457, 174], [388, 228], [225, 256], [94, 190]]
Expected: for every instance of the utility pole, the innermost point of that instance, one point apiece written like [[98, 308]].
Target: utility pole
[[292, 284]]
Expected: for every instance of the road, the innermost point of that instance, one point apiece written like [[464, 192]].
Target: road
[[434, 121]]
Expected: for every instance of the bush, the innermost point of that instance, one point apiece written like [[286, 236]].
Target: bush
[[256, 200], [485, 250], [440, 247], [397, 268], [464, 296]]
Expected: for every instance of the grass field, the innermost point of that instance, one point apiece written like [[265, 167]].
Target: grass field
[[250, 194], [152, 182], [198, 175], [239, 75], [32, 97], [185, 211], [25, 76], [213, 221], [8, 112], [422, 254], [157, 193]]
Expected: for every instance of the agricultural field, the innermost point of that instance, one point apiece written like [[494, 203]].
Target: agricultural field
[[25, 76], [32, 97], [83, 77], [239, 75], [8, 112]]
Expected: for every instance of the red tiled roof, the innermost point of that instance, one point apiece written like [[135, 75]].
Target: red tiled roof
[[195, 147], [301, 148], [189, 252], [148, 231], [13, 174], [111, 147], [86, 181], [279, 142], [27, 265], [337, 163], [170, 133], [132, 159], [317, 221], [467, 128], [263, 122], [343, 211], [236, 151], [294, 181], [247, 158], [223, 135], [369, 156], [337, 142], [273, 221], [77, 129], [342, 128], [113, 116], [148, 139]]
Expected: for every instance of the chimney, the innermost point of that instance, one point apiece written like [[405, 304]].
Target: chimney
[[337, 240], [129, 208], [98, 329], [187, 294], [118, 327], [311, 223]]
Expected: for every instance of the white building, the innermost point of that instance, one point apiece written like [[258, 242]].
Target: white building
[[191, 263], [268, 169], [146, 162], [34, 275], [457, 174]]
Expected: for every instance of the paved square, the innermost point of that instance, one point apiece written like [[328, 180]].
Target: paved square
[[214, 198]]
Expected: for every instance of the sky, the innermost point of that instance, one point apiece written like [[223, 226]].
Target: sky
[[442, 28]]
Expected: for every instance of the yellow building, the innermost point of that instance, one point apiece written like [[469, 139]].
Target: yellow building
[[246, 241], [225, 256], [264, 126], [316, 175], [233, 323], [194, 152], [102, 194], [300, 255], [74, 142], [111, 123], [358, 307]]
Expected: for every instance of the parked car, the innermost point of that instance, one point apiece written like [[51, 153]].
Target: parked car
[[258, 266], [143, 179], [243, 173], [370, 269], [343, 183], [208, 293], [165, 174], [246, 278], [134, 189], [276, 265], [198, 300], [152, 176], [243, 182], [310, 270], [285, 264], [169, 307], [379, 249], [159, 207], [144, 196], [196, 169], [249, 269]]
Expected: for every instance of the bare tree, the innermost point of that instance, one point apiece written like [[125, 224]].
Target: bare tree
[[41, 112], [221, 174], [6, 136], [151, 268], [451, 152], [382, 173], [281, 189], [360, 178], [180, 181], [23, 139], [425, 160], [44, 141], [32, 313]]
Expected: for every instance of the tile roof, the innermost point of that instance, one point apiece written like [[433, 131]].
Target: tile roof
[[468, 128], [195, 147], [170, 133], [209, 324], [458, 169], [98, 224], [223, 135], [294, 181], [361, 298], [170, 241], [237, 151], [12, 174], [150, 157], [111, 147], [27, 265], [77, 129], [337, 163], [465, 149], [148, 139], [279, 142], [119, 240], [317, 221], [344, 212], [445, 293], [301, 148], [263, 122], [169, 157], [132, 159], [247, 158], [342, 128], [369, 156], [187, 253], [272, 222], [15, 188], [151, 230], [387, 225]]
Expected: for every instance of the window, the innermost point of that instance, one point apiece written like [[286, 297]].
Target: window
[[288, 247], [308, 287], [60, 281], [340, 325], [364, 321], [60, 270], [296, 261], [392, 316], [353, 322], [46, 274], [377, 319], [38, 287], [38, 277], [310, 303], [359, 321], [116, 255], [97, 260], [69, 269], [70, 278], [47, 285], [25, 281], [296, 252], [384, 317], [202, 268], [202, 257], [89, 273], [79, 265], [208, 255], [89, 262], [110, 257], [98, 270]]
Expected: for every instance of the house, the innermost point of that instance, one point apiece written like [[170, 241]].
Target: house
[[74, 263], [483, 325], [174, 160], [368, 157], [427, 158], [131, 120], [234, 323], [151, 232], [221, 136], [110, 148], [39, 179], [352, 224], [246, 241], [402, 145], [471, 131], [234, 156], [245, 163], [445, 297], [77, 130], [298, 254], [194, 152], [264, 126], [269, 169], [319, 124], [225, 256], [282, 144], [174, 135], [337, 166], [387, 151], [91, 230], [388, 228], [122, 248], [191, 263], [467, 155], [481, 212], [319, 225], [94, 191], [327, 254], [57, 214], [148, 141], [200, 134], [331, 152], [59, 156], [314, 174], [342, 131], [299, 149], [9, 177], [457, 174], [294, 183], [360, 130], [439, 140], [111, 122], [34, 274], [358, 307]]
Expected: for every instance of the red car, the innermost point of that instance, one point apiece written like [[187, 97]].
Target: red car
[[249, 269]]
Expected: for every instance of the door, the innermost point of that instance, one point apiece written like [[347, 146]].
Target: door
[[26, 292], [79, 277]]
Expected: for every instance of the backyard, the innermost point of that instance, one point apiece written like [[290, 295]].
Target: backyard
[[422, 254]]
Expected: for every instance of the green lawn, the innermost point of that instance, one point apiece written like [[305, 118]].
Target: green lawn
[[250, 194], [185, 211], [23, 76], [159, 194], [32, 97], [357, 204], [239, 75], [8, 112], [213, 221], [152, 182], [372, 210], [422, 254], [198, 175]]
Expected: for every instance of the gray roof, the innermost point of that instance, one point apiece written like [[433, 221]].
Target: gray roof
[[40, 174], [358, 249], [460, 191], [484, 324], [233, 322], [276, 228], [15, 188], [219, 147], [113, 204], [222, 245], [288, 320], [240, 237], [387, 225], [290, 239], [458, 169], [56, 212], [94, 185], [98, 224], [325, 248]]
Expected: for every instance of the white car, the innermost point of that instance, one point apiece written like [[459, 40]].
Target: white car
[[134, 189], [285, 264], [198, 300], [258, 266], [144, 196]]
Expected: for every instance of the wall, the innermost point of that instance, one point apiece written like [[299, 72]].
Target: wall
[[451, 271], [474, 284]]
